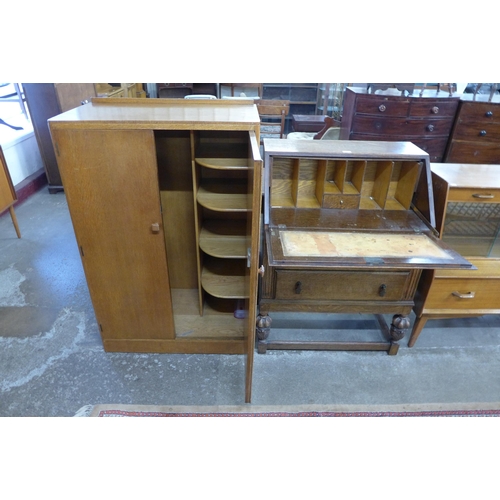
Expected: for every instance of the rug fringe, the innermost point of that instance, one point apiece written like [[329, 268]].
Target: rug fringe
[[84, 411]]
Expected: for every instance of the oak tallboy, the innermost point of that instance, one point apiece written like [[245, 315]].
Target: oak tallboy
[[165, 200]]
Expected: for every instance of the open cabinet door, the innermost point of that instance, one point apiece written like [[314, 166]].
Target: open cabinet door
[[111, 183], [254, 185]]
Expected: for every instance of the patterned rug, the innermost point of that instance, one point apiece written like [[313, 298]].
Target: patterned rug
[[304, 411]]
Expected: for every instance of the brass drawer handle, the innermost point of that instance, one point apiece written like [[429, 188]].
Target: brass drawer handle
[[469, 295], [298, 287], [483, 196], [382, 108]]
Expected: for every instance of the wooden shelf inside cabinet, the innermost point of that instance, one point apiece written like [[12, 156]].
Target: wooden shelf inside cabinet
[[224, 239], [224, 278], [224, 197], [342, 234]]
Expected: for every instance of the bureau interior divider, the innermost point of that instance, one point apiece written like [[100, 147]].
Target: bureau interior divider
[[343, 183]]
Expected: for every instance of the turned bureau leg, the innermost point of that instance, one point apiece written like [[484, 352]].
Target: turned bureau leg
[[417, 328], [263, 330], [397, 331]]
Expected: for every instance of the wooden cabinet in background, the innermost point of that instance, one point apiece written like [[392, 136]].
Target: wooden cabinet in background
[[475, 137], [165, 199], [46, 100], [468, 219], [342, 235], [389, 116]]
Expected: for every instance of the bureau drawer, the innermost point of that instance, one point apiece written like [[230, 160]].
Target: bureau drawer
[[473, 152], [401, 126], [464, 293], [434, 108], [480, 111], [477, 131], [341, 285], [382, 106]]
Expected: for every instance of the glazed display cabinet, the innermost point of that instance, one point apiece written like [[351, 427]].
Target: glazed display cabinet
[[165, 200], [468, 219]]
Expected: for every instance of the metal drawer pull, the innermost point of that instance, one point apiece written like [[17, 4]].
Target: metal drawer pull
[[435, 110], [430, 128], [382, 108], [155, 228], [469, 295], [382, 289], [298, 287], [483, 196], [482, 133], [489, 114]]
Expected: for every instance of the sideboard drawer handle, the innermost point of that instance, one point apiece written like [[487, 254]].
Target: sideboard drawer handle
[[382, 289], [430, 128], [435, 110], [298, 287], [489, 114], [469, 295], [482, 133], [382, 108], [483, 196]]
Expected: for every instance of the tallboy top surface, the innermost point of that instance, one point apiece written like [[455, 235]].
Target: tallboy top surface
[[160, 113]]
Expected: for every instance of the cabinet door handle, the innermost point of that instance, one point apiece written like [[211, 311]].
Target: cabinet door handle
[[382, 108], [382, 289], [155, 228], [469, 295], [298, 287], [482, 133], [483, 196], [261, 270]]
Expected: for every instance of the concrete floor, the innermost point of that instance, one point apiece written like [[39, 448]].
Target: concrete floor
[[52, 362]]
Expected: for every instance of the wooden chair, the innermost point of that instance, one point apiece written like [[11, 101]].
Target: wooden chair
[[272, 117]]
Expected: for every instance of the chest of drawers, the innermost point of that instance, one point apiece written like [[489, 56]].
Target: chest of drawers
[[475, 137], [389, 116], [342, 235], [468, 219]]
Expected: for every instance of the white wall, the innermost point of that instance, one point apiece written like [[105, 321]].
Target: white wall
[[22, 156]]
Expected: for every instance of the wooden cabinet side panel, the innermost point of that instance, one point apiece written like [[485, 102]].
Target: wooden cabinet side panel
[[7, 193], [112, 190]]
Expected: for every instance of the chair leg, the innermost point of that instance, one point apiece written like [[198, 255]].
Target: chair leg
[[14, 221]]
